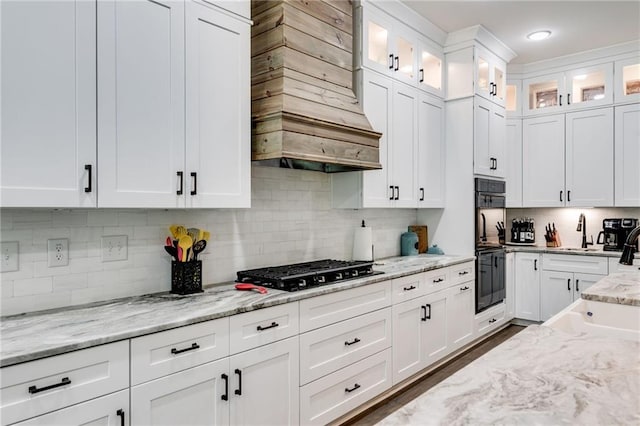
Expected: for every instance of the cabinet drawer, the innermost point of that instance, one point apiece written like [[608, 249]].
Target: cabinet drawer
[[575, 263], [338, 393], [319, 311], [330, 348], [89, 372], [462, 273], [257, 328], [407, 288], [437, 279], [167, 352], [490, 319]]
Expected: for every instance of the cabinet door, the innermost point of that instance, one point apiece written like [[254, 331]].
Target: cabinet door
[[542, 94], [499, 82], [583, 282], [513, 160], [434, 321], [402, 145], [110, 410], [556, 293], [627, 76], [527, 291], [510, 285], [376, 43], [48, 104], [497, 141], [431, 152], [141, 103], [191, 397], [484, 86], [460, 315], [407, 338], [543, 161], [589, 87], [627, 156], [430, 61], [589, 162], [217, 108], [264, 389], [377, 103], [404, 44], [482, 163]]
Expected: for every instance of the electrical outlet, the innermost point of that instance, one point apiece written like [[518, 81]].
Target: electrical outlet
[[9, 259], [58, 252], [114, 248]]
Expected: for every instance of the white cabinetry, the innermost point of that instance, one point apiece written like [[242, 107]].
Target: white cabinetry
[[513, 168], [582, 178], [627, 156], [430, 152], [564, 277], [490, 76], [527, 286], [489, 139], [48, 150], [627, 75], [145, 158]]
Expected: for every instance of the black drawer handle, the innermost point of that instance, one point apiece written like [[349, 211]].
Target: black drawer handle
[[88, 188], [492, 320], [225, 396], [120, 413], [569, 284], [427, 316], [421, 194], [409, 288], [193, 347], [535, 264], [181, 185], [463, 273], [63, 382], [273, 325], [439, 280], [353, 342], [577, 285], [356, 386], [465, 288], [194, 175], [239, 390]]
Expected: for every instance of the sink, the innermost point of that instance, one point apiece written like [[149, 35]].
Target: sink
[[575, 249]]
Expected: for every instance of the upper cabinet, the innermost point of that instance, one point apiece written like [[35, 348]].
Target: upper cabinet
[[490, 76], [48, 109], [627, 80], [137, 86], [489, 139], [627, 155], [573, 89], [394, 49], [512, 102]]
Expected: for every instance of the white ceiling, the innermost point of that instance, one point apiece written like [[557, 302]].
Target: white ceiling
[[576, 26]]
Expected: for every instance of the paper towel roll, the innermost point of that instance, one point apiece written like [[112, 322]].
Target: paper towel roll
[[363, 244]]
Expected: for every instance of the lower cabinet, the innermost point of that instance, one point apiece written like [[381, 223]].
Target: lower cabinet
[[491, 319], [527, 288]]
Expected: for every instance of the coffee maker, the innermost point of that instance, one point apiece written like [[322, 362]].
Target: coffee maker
[[615, 232]]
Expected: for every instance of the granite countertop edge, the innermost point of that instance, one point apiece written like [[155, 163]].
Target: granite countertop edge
[[561, 250], [72, 330]]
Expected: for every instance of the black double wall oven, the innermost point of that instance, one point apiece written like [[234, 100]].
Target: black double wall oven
[[490, 255]]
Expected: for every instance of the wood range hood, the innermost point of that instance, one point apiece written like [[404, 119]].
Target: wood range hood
[[304, 112]]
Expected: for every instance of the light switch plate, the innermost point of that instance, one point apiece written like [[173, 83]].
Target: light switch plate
[[114, 248], [9, 256]]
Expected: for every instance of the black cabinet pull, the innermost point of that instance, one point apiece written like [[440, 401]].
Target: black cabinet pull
[[421, 75], [421, 194], [465, 288], [577, 285], [193, 347], [356, 386], [535, 264], [64, 381], [397, 60], [560, 100], [239, 390], [225, 396], [495, 164], [273, 325], [439, 280], [120, 413], [495, 262], [353, 342], [463, 273], [194, 175], [391, 61], [181, 185], [409, 288], [88, 168], [568, 196], [561, 195], [492, 320], [427, 315], [569, 284], [568, 98], [392, 192], [397, 193]]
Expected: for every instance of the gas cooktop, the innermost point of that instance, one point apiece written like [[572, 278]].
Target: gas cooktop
[[300, 276]]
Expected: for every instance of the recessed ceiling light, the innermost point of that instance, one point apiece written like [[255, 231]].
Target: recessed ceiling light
[[539, 35]]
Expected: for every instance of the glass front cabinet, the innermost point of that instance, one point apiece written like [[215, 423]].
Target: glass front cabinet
[[430, 65], [627, 75], [579, 88], [490, 76]]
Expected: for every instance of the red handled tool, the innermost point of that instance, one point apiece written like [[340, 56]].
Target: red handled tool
[[247, 286]]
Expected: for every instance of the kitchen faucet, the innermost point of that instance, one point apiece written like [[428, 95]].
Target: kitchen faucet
[[483, 237], [582, 226], [630, 247]]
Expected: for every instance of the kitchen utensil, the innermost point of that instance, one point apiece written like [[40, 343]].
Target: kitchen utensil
[[198, 247], [247, 286], [179, 253], [206, 235], [185, 242], [169, 241], [194, 233], [172, 251], [423, 237]]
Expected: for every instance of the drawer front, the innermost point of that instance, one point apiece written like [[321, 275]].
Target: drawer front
[[575, 263], [490, 319], [407, 288], [330, 348], [437, 279], [160, 354], [319, 311], [338, 393], [257, 328], [89, 372], [462, 273]]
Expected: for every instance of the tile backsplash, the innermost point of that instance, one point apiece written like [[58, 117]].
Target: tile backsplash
[[291, 220]]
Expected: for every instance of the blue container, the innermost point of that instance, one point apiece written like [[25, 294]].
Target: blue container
[[409, 244]]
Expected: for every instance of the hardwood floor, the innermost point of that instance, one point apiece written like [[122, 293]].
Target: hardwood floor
[[387, 407]]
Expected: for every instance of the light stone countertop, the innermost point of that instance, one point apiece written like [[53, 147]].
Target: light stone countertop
[[622, 288], [541, 376], [562, 250], [37, 335]]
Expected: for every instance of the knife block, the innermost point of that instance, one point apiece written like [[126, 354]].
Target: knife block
[[186, 277]]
